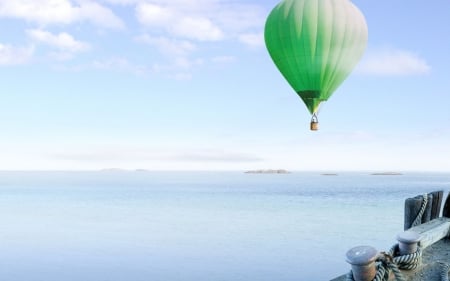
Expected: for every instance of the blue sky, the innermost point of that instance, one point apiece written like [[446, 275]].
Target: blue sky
[[189, 85]]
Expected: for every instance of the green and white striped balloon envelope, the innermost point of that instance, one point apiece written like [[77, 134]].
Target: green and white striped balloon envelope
[[315, 44]]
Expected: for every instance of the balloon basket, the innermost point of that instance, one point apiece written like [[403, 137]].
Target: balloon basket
[[314, 126]]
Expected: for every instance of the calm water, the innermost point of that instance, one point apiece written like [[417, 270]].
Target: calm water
[[167, 226]]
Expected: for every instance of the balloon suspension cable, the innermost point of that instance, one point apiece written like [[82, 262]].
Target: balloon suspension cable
[[314, 122]]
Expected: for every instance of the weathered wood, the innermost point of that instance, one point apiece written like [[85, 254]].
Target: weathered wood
[[412, 209], [432, 231], [413, 206], [446, 211], [427, 214], [437, 203]]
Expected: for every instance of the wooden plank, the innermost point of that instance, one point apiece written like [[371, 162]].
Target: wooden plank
[[432, 231], [437, 203], [412, 208], [446, 211], [427, 214]]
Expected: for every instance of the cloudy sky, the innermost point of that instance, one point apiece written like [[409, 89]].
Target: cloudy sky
[[189, 85]]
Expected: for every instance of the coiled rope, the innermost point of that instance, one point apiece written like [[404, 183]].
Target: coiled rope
[[406, 262], [392, 261]]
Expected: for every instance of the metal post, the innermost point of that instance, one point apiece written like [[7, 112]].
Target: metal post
[[362, 260], [407, 242]]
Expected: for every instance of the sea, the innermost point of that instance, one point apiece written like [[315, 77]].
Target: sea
[[197, 226]]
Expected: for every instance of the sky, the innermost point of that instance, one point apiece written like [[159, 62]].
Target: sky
[[189, 85]]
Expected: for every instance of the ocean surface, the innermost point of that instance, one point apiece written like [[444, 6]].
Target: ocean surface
[[196, 226]]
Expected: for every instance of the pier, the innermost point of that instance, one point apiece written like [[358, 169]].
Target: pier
[[421, 253]]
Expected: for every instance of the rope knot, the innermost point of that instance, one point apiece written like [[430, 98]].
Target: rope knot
[[385, 258]]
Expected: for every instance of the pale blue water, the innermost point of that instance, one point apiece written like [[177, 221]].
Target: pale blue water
[[212, 226]]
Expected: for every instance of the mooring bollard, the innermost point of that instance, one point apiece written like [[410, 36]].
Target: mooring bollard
[[407, 242], [362, 260]]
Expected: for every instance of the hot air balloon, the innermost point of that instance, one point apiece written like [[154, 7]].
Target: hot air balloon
[[315, 44]]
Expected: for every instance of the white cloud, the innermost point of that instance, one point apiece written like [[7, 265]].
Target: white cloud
[[10, 55], [154, 15], [201, 29], [205, 21], [393, 62], [252, 39], [120, 64], [168, 46], [178, 28], [177, 52], [223, 59], [190, 26], [46, 12], [113, 64], [63, 44], [186, 64], [121, 2], [122, 154], [237, 18], [62, 41], [99, 15], [41, 11], [178, 68]]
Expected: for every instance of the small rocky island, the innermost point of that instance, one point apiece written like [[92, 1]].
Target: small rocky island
[[387, 174], [268, 171]]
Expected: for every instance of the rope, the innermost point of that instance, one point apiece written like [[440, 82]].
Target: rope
[[406, 262], [418, 219], [384, 267], [444, 271], [387, 262]]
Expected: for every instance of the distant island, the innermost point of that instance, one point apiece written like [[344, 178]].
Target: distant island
[[329, 174], [123, 170], [269, 171], [113, 170], [387, 174]]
